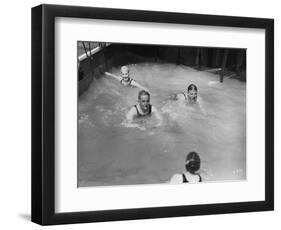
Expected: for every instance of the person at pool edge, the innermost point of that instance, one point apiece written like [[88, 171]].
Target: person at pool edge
[[192, 165], [190, 95], [143, 109], [125, 78]]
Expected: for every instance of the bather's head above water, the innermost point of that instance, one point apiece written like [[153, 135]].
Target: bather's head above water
[[144, 109], [192, 166], [144, 100], [192, 92], [125, 72], [190, 95], [192, 162]]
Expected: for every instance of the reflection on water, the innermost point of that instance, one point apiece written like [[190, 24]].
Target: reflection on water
[[112, 153]]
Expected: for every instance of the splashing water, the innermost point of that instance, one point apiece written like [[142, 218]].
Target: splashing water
[[112, 152]]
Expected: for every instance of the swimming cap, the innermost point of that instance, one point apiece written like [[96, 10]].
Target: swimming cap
[[192, 162], [124, 69]]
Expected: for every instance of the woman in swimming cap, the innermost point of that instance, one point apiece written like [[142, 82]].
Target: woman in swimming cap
[[125, 78], [191, 175]]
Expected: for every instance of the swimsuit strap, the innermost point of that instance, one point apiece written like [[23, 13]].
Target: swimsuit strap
[[149, 109], [142, 115], [184, 180], [138, 113], [129, 82]]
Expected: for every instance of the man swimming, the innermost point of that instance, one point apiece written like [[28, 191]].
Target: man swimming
[[125, 78], [143, 109]]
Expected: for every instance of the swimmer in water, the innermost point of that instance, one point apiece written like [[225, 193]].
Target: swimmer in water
[[125, 78], [143, 109], [192, 165], [190, 95]]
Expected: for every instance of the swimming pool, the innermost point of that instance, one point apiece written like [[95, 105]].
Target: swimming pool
[[111, 153]]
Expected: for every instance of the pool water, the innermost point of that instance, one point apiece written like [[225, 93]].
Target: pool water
[[110, 152]]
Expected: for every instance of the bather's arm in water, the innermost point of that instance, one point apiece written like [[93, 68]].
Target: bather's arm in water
[[114, 76], [177, 97], [137, 85], [133, 83], [130, 116]]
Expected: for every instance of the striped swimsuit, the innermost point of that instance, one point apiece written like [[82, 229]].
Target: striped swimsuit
[[125, 83]]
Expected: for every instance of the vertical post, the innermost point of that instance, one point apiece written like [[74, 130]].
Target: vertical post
[[216, 57], [179, 56], [156, 54], [90, 59], [239, 61], [197, 60], [225, 54], [204, 57], [85, 49]]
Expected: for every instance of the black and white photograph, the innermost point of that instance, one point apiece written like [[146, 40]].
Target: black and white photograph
[[154, 114], [141, 114]]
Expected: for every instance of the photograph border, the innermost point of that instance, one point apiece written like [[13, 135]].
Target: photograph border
[[43, 114]]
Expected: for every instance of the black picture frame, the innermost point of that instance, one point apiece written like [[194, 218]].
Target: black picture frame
[[43, 114]]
